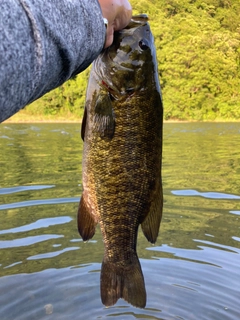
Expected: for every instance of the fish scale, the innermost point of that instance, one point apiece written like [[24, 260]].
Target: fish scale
[[122, 157]]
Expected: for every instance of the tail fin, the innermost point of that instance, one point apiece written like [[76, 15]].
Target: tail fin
[[125, 282]]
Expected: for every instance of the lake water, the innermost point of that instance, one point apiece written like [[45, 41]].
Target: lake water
[[48, 272]]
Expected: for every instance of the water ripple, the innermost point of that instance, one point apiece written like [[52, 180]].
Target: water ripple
[[13, 265], [209, 195], [6, 137], [210, 255], [219, 246], [235, 212], [28, 241], [38, 203], [51, 254], [41, 223], [24, 188]]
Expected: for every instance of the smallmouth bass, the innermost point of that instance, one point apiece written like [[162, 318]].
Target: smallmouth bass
[[122, 156]]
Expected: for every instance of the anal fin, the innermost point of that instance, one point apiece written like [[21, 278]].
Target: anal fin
[[151, 224], [86, 220]]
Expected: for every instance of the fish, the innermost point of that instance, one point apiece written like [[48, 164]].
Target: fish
[[122, 158]]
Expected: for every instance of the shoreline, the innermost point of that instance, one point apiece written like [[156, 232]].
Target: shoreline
[[79, 121], [69, 118]]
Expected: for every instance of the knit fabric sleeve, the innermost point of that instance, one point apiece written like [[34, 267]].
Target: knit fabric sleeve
[[42, 44]]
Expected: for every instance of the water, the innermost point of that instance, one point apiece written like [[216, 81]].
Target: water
[[47, 272]]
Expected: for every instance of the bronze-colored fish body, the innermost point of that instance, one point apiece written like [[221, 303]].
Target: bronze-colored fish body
[[122, 132]]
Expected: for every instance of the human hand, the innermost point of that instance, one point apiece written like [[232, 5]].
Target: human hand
[[118, 13]]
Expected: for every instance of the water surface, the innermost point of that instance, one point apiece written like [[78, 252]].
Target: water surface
[[47, 272]]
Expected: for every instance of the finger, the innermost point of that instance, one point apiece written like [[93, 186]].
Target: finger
[[109, 36], [123, 14]]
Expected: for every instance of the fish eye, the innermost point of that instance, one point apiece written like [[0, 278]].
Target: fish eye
[[143, 44]]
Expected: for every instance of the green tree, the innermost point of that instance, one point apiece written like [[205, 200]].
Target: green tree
[[198, 50]]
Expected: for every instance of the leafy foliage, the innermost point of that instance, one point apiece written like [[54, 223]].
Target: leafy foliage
[[198, 50]]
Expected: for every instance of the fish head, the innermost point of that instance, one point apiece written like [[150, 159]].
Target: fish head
[[129, 65]]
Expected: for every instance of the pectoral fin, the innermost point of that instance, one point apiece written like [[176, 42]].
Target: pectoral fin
[[104, 118], [150, 226], [86, 220]]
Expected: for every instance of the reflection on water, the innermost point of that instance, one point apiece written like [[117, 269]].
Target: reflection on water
[[37, 203], [48, 272], [210, 195]]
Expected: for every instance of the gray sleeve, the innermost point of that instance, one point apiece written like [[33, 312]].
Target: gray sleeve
[[42, 44]]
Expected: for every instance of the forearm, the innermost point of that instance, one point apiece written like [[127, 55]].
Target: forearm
[[42, 44]]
